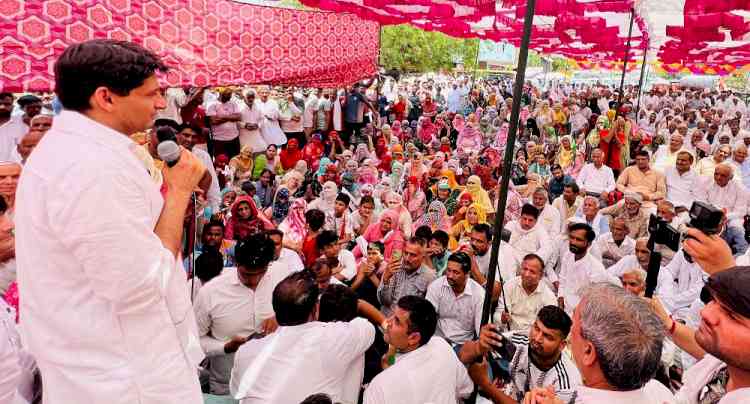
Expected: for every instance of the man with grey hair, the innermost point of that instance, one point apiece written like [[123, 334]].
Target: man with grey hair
[[549, 217], [616, 342], [249, 125], [741, 164], [666, 155], [723, 193]]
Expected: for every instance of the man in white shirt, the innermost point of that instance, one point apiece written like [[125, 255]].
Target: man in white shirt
[[579, 267], [309, 120], [176, 99], [288, 257], [723, 193], [270, 127], [303, 356], [666, 155], [682, 182], [617, 364], [100, 320], [549, 217], [11, 129], [224, 116], [187, 137], [423, 368], [236, 306], [524, 296], [615, 244], [527, 237], [595, 178], [251, 118], [458, 301]]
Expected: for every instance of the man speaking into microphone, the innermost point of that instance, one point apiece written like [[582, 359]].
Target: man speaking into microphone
[[105, 308]]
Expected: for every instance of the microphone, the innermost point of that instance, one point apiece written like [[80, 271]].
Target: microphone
[[169, 152]]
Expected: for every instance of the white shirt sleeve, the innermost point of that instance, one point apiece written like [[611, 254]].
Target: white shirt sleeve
[[133, 280], [9, 369], [358, 335], [202, 306]]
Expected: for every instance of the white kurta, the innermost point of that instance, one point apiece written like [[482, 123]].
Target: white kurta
[[106, 309], [269, 126], [252, 138]]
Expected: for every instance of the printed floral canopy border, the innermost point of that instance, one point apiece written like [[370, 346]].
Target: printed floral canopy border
[[700, 35], [205, 42]]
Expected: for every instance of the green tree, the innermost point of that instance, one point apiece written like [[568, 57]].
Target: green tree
[[410, 49]]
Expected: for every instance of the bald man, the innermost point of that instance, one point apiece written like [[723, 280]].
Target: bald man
[[27, 144], [741, 164], [41, 122], [666, 155]]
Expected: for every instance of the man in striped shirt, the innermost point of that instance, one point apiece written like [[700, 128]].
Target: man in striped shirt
[[538, 361]]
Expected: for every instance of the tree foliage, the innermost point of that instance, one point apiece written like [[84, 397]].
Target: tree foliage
[[410, 49]]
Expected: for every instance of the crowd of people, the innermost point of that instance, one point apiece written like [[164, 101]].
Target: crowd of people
[[338, 246]]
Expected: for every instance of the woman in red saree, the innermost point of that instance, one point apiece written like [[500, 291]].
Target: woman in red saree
[[290, 155], [246, 220]]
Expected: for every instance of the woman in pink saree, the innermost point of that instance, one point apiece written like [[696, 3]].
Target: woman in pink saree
[[387, 231]]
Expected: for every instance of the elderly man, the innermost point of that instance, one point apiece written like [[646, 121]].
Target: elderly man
[[527, 237], [682, 181], [631, 210], [741, 165], [665, 282], [643, 180], [251, 119], [666, 155], [524, 296], [617, 364], [549, 217], [27, 145], [706, 165], [616, 244], [731, 196], [595, 178], [568, 203]]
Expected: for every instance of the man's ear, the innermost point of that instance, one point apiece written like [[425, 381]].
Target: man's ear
[[102, 99], [414, 339], [589, 354]]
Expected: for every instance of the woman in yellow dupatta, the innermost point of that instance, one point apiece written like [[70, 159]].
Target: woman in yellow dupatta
[[478, 194], [461, 231], [242, 164]]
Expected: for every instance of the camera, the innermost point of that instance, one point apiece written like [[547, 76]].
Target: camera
[[703, 217]]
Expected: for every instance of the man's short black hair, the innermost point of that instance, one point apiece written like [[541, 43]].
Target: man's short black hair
[[294, 298], [257, 251], [343, 198], [247, 187], [423, 232], [441, 237], [417, 240], [165, 132], [275, 232], [209, 264], [337, 303], [422, 316], [367, 199], [590, 235], [483, 228], [326, 238], [315, 218], [118, 65], [643, 153], [555, 167], [318, 398], [195, 128], [213, 223], [530, 210], [555, 318], [167, 122], [573, 187], [377, 244], [463, 259], [6, 95]]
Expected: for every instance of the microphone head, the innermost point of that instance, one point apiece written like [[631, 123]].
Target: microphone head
[[168, 151]]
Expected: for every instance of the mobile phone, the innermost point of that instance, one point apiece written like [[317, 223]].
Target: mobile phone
[[396, 255]]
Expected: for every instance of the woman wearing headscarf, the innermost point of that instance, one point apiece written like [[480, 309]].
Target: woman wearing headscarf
[[292, 181], [461, 231], [290, 155], [387, 231], [568, 156], [478, 194], [280, 207], [426, 130], [414, 198], [436, 218], [396, 131], [268, 160], [464, 201], [313, 151], [326, 202], [242, 165], [396, 203], [246, 220], [228, 196], [294, 225], [397, 173]]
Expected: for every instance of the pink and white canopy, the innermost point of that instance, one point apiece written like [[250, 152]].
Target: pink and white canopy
[[717, 33]]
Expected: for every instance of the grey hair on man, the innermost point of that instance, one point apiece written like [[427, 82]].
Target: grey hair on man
[[625, 333]]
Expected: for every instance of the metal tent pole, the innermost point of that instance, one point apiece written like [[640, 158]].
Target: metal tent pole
[[640, 83], [625, 62], [507, 160]]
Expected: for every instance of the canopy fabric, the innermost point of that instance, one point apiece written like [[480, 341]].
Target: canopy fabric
[[717, 33], [205, 42]]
